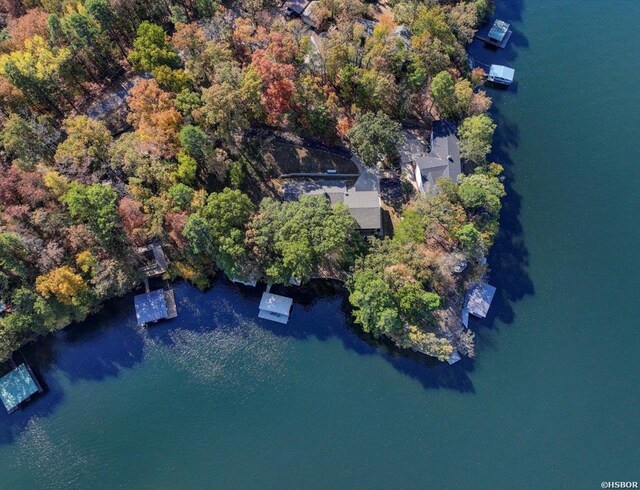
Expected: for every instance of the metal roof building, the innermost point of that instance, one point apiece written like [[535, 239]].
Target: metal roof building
[[454, 357], [499, 30], [501, 74], [478, 302], [17, 387], [151, 307], [275, 307]]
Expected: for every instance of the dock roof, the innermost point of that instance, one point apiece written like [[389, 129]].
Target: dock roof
[[499, 30], [479, 299], [275, 303], [16, 387], [151, 307], [501, 72]]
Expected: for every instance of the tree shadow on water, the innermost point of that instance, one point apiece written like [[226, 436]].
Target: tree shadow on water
[[108, 342], [96, 349]]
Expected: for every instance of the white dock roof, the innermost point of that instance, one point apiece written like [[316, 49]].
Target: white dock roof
[[479, 299], [274, 303]]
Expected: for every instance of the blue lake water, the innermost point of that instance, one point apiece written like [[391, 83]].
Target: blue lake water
[[219, 399]]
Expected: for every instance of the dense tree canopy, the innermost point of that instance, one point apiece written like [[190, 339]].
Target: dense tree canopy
[[125, 122]]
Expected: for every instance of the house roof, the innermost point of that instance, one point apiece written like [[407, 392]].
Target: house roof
[[16, 387], [296, 6], [364, 205], [499, 30], [150, 307], [479, 299], [274, 303], [444, 158]]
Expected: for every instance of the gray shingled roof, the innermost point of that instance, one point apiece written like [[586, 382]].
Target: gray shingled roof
[[364, 206], [444, 158]]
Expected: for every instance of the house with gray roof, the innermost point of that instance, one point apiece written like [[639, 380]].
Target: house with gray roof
[[441, 161], [364, 205]]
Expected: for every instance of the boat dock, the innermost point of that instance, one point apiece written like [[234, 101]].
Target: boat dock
[[18, 386], [498, 35]]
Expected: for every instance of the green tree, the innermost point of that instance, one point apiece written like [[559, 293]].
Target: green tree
[[476, 133], [415, 303], [187, 169], [151, 49], [294, 239], [86, 148], [373, 300], [443, 92], [376, 136], [180, 196], [28, 141], [96, 206]]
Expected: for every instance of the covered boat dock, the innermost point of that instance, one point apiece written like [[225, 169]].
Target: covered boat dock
[[498, 35], [17, 387], [156, 305], [502, 75], [275, 307], [478, 302]]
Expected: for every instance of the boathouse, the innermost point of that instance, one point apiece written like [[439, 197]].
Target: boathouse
[[155, 305], [502, 75], [454, 357], [478, 302], [442, 160], [17, 387], [275, 307], [498, 35]]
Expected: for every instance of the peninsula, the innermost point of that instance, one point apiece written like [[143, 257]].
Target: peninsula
[[272, 142]]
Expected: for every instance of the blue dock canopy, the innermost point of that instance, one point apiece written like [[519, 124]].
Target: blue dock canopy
[[151, 307], [16, 387], [499, 30]]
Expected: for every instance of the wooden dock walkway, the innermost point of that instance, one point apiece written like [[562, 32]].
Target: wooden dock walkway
[[172, 309], [491, 42]]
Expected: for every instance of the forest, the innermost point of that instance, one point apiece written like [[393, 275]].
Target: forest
[[79, 193]]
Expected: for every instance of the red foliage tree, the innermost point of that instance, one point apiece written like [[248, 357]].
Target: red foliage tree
[[133, 220], [278, 86]]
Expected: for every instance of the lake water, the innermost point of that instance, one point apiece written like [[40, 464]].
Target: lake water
[[218, 399]]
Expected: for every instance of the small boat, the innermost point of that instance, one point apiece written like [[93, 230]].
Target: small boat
[[502, 75]]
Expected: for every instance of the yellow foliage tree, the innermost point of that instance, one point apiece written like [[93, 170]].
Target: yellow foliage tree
[[63, 283]]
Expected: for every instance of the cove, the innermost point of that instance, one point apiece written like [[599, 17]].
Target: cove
[[218, 399]]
